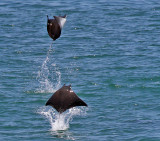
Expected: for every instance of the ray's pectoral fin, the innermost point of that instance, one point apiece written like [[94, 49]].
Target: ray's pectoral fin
[[77, 101], [80, 103], [60, 20]]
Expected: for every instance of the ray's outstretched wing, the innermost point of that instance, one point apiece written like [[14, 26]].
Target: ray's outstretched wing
[[54, 26], [64, 99]]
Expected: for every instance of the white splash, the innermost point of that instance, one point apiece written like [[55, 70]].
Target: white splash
[[58, 121], [47, 74]]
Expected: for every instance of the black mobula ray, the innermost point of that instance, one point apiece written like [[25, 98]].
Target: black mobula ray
[[54, 26], [64, 99]]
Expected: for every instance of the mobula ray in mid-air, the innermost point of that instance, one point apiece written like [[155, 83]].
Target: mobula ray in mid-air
[[64, 99], [54, 26]]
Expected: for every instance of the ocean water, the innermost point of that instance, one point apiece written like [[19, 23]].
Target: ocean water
[[109, 51]]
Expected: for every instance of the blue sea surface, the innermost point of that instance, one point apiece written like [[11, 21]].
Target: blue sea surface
[[109, 51]]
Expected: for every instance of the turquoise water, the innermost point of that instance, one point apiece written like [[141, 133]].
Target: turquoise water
[[109, 52]]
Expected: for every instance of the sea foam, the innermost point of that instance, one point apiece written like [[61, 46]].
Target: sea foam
[[61, 121]]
